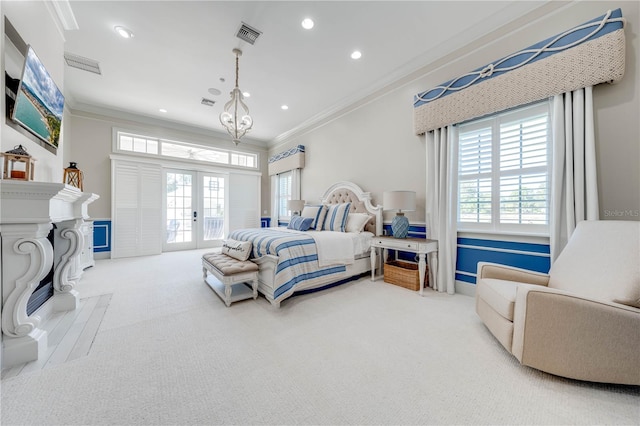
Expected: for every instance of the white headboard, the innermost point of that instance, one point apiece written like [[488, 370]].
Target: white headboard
[[349, 192]]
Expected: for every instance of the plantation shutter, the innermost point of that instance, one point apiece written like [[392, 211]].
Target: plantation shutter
[[524, 185], [136, 209], [244, 201], [503, 173], [474, 168]]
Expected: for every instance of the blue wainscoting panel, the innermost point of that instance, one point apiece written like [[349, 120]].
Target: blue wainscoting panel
[[415, 231], [470, 251], [101, 235]]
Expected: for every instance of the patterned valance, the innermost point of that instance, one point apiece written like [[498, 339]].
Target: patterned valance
[[586, 55], [288, 160]]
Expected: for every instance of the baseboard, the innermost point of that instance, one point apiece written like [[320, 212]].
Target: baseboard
[[465, 288]]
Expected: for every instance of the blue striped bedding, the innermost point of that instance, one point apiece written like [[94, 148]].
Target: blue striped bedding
[[297, 258]]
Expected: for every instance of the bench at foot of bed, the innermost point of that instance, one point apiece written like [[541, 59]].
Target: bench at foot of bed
[[227, 277]]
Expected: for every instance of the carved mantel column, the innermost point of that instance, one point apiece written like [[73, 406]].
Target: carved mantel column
[[26, 248], [68, 245], [28, 211]]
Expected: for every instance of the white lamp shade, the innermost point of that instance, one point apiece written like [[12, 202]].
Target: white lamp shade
[[399, 200], [295, 205]]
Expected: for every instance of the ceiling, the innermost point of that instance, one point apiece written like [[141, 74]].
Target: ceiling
[[182, 49]]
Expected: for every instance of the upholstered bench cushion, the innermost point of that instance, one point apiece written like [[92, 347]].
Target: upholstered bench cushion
[[228, 265], [499, 294]]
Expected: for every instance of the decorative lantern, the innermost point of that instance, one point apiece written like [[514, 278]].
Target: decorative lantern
[[73, 175], [18, 164]]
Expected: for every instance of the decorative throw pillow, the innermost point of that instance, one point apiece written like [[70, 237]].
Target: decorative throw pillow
[[336, 219], [300, 223], [240, 250], [318, 214], [356, 222]]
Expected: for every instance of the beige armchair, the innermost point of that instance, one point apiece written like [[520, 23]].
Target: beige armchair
[[582, 320]]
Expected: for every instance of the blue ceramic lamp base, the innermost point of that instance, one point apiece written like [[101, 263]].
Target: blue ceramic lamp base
[[400, 226]]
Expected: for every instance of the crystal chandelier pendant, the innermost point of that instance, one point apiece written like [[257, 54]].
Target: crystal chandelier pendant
[[235, 118]]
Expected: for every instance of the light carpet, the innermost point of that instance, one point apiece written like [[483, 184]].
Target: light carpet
[[168, 351]]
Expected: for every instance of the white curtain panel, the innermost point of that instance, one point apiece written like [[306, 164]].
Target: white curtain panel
[[441, 205], [574, 187], [296, 186], [274, 200]]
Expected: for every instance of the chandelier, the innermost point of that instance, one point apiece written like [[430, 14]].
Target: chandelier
[[235, 117]]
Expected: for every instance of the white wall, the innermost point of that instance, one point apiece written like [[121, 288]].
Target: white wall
[[91, 138], [374, 144], [37, 27]]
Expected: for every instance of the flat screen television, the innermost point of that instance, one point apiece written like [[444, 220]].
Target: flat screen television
[[39, 103]]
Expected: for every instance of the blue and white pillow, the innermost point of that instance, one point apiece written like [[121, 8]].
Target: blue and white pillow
[[336, 219], [300, 223], [318, 213]]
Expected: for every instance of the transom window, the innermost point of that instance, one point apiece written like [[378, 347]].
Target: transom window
[[174, 149], [503, 171]]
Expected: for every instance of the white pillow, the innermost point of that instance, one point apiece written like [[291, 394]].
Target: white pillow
[[357, 221], [317, 213], [336, 219], [240, 250]]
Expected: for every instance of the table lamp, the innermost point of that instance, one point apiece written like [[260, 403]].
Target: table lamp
[[295, 206], [401, 201]]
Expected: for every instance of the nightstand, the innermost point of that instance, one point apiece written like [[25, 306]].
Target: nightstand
[[421, 246]]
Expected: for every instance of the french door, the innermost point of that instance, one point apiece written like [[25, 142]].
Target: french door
[[194, 209]]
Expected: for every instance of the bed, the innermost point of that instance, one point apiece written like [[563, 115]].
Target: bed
[[291, 261]]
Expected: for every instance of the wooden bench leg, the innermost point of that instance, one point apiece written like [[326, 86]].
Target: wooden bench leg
[[254, 286], [227, 295]]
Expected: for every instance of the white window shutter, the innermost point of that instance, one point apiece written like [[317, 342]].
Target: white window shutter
[[136, 209], [244, 201]]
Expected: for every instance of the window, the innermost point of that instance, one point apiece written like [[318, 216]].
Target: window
[[245, 160], [503, 171], [138, 144], [174, 149], [285, 187]]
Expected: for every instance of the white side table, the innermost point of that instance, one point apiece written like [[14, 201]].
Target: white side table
[[421, 246]]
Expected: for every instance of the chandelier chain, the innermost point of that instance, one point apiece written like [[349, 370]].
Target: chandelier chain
[[237, 70]]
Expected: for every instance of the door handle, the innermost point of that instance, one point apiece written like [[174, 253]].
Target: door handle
[[195, 216]]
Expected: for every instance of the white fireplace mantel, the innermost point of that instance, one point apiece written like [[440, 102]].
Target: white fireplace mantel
[[28, 211]]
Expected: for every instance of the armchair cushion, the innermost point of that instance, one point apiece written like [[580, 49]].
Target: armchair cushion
[[499, 294]]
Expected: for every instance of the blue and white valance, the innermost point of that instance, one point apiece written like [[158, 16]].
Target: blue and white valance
[[589, 54], [288, 160]]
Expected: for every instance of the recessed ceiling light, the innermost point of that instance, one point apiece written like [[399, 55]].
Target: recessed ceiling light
[[214, 91], [162, 110], [356, 54], [246, 94], [284, 107], [307, 23], [123, 31]]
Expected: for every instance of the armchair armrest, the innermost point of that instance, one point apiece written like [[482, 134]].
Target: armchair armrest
[[576, 337], [510, 273]]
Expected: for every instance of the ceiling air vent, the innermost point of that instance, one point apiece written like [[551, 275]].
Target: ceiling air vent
[[248, 34], [207, 102], [82, 63]]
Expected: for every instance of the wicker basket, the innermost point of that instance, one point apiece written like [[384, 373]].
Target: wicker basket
[[404, 274]]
